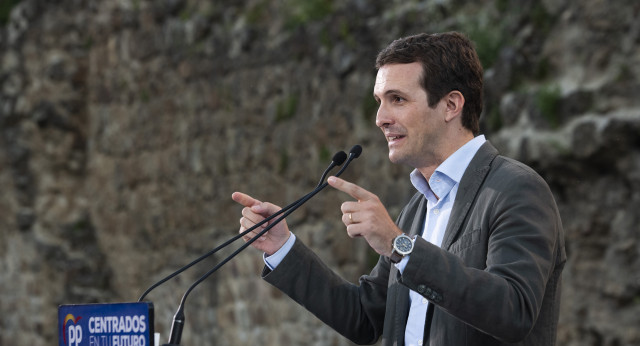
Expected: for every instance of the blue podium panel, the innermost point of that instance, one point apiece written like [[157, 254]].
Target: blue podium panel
[[119, 324]]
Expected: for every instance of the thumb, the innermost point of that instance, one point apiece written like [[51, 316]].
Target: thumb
[[265, 208], [259, 208]]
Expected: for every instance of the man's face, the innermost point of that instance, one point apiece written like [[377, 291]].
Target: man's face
[[413, 130]]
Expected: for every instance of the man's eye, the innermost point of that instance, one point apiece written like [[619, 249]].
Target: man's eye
[[397, 99]]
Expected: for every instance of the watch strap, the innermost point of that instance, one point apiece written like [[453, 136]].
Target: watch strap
[[395, 257]]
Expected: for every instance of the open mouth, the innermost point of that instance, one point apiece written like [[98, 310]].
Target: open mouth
[[394, 138]]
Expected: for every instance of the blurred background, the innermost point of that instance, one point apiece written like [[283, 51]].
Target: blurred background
[[125, 125]]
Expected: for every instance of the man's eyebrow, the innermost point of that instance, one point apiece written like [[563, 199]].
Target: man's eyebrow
[[393, 91], [390, 91]]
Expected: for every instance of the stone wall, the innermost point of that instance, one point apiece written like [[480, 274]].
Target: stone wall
[[126, 125]]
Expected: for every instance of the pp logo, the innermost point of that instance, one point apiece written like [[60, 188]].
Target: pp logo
[[72, 333]]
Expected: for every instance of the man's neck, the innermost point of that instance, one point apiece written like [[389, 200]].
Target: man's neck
[[444, 153]]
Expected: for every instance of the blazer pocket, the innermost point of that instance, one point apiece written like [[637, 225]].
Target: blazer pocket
[[466, 241]]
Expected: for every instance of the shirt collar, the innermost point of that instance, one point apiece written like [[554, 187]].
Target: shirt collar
[[452, 168]]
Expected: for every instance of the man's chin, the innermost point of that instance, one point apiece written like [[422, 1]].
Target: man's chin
[[395, 157], [398, 159]]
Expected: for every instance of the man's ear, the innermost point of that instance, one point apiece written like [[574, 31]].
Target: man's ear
[[454, 102]]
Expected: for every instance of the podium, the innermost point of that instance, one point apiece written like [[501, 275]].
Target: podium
[[117, 324]]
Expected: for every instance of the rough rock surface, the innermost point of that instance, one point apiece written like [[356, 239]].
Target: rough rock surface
[[126, 125]]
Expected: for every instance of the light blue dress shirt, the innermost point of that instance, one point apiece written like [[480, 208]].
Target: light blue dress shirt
[[440, 192]]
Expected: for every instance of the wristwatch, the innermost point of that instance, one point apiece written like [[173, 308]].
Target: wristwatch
[[402, 246]]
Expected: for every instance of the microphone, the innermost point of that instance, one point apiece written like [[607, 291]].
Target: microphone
[[354, 153], [337, 160], [179, 319]]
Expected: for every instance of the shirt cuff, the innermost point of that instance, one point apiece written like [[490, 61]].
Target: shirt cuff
[[274, 260], [402, 264]]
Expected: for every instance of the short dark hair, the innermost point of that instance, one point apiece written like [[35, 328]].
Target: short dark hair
[[449, 62]]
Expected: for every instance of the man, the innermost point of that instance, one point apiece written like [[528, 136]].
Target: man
[[473, 259]]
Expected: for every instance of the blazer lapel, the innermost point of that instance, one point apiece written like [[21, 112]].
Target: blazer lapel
[[469, 185], [417, 226]]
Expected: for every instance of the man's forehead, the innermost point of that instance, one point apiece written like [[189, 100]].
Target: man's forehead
[[397, 75]]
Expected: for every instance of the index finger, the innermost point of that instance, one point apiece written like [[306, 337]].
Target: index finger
[[352, 189], [244, 199]]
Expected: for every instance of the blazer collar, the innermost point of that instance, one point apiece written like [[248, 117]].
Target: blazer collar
[[470, 183]]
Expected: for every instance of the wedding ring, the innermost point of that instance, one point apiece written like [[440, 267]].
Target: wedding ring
[[350, 218]]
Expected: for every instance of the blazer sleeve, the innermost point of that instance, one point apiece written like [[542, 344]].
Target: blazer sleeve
[[362, 312], [355, 311], [494, 276]]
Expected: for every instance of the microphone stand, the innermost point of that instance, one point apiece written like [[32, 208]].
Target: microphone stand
[[337, 160], [179, 319]]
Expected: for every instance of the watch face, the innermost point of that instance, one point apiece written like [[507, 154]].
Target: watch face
[[403, 245]]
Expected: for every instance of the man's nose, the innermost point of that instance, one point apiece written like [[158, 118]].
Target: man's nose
[[384, 117]]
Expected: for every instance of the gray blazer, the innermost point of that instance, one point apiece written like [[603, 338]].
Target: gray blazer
[[495, 280]]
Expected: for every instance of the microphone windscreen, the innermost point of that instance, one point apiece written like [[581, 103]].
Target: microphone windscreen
[[339, 158], [356, 150]]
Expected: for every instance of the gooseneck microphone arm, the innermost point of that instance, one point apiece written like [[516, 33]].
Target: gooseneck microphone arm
[[354, 153], [179, 319], [337, 160]]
